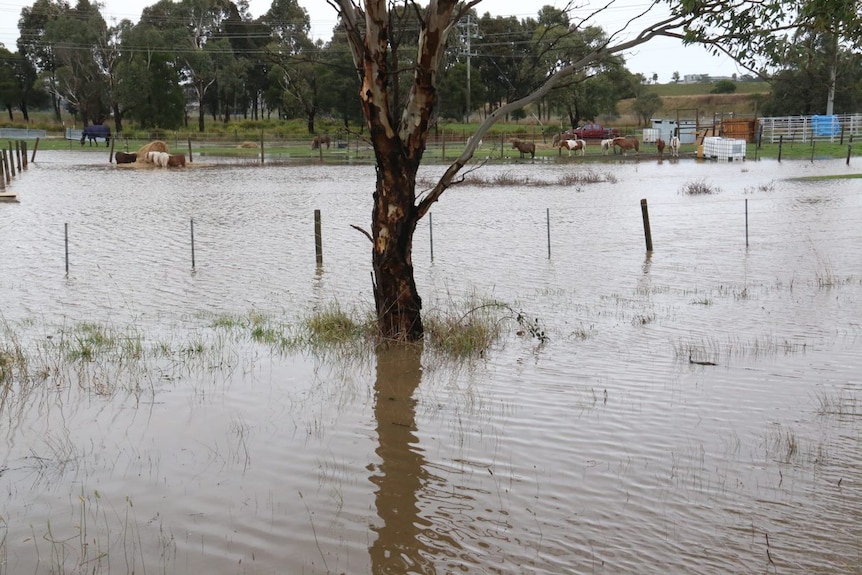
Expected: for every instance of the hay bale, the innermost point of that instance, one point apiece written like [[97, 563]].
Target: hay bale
[[248, 145], [154, 146]]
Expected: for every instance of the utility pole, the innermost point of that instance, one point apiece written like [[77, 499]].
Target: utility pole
[[469, 30]]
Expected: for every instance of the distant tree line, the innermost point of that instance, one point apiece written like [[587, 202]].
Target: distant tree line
[[188, 60]]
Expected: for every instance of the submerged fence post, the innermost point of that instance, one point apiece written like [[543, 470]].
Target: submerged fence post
[[746, 222], [111, 153], [261, 148], [848, 153], [6, 176], [190, 151], [18, 154], [35, 147], [192, 228], [548, 221], [11, 157], [647, 233], [318, 239], [431, 233], [780, 143], [66, 241], [24, 153]]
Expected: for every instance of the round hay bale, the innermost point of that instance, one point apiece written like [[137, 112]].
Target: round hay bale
[[154, 146], [248, 145]]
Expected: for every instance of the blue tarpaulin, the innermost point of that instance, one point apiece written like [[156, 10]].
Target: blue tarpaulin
[[825, 125]]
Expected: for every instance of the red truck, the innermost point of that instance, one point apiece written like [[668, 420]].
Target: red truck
[[592, 132]]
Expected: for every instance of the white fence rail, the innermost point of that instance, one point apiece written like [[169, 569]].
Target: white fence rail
[[834, 128]]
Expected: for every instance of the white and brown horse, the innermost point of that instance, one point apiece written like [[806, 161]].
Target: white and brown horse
[[626, 144], [607, 146], [674, 146], [574, 146]]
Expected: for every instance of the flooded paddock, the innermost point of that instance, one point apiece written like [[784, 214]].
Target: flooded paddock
[[696, 409]]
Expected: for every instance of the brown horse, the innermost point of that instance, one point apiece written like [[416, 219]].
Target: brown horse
[[626, 144], [659, 145], [524, 147], [319, 141], [177, 161], [125, 158]]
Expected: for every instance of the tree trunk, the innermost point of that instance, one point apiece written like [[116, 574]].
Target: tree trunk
[[393, 222], [309, 122], [118, 119], [833, 76], [201, 115]]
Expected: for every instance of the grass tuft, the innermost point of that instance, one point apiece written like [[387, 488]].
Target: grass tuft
[[334, 326], [699, 188]]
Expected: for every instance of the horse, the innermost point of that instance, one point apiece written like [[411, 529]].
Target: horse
[[607, 146], [674, 146], [659, 145], [319, 141], [574, 146], [626, 144], [96, 131], [177, 160], [125, 158], [160, 159], [524, 147]]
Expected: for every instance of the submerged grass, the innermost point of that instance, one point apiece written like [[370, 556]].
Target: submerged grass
[[698, 188], [101, 359], [713, 350], [511, 179]]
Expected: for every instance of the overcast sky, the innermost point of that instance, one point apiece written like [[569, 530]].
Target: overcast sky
[[660, 56]]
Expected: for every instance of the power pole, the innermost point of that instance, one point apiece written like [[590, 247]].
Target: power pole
[[469, 30]]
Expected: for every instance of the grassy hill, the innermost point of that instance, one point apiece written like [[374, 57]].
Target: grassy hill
[[687, 101]]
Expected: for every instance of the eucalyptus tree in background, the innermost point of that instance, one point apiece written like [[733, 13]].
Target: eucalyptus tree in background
[[18, 86], [79, 78], [33, 45], [294, 60], [10, 89], [590, 92], [148, 75], [501, 50], [338, 74], [803, 84], [646, 105], [192, 24]]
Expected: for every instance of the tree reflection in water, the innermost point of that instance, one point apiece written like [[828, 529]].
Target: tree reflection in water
[[403, 537]]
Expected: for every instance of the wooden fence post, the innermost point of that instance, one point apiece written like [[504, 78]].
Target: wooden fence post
[[318, 239], [647, 232]]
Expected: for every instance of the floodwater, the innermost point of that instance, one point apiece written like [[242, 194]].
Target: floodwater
[[695, 410]]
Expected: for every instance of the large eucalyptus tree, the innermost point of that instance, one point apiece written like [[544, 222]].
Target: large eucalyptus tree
[[399, 136]]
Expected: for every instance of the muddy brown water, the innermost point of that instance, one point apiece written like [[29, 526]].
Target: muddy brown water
[[605, 450]]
